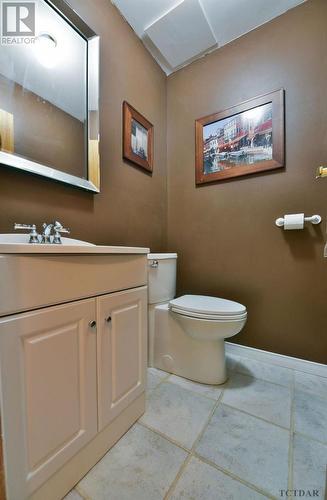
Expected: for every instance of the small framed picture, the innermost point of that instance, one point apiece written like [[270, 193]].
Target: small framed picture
[[241, 140], [137, 138]]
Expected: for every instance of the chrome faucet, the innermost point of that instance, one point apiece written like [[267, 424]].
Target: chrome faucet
[[34, 237], [59, 230], [45, 238], [46, 235]]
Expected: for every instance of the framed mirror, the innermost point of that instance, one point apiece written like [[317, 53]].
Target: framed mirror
[[49, 93]]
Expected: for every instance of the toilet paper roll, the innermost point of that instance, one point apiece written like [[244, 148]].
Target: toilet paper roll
[[293, 221]]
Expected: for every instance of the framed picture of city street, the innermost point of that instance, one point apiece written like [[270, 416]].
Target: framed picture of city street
[[241, 140], [137, 138]]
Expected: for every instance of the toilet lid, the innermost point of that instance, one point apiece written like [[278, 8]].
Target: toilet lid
[[203, 304]]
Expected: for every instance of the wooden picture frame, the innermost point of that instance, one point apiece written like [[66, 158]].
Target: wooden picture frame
[[137, 138], [241, 140]]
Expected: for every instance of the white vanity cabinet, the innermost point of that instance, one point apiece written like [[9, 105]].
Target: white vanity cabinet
[[49, 390], [72, 378], [122, 351]]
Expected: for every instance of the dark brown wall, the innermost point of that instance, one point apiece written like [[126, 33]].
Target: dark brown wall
[[132, 205], [224, 233], [43, 132]]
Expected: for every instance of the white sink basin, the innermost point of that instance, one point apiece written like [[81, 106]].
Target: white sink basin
[[23, 239], [19, 243]]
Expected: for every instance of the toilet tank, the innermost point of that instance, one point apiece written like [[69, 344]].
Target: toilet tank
[[161, 277]]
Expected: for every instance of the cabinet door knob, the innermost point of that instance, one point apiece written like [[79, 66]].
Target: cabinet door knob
[[108, 319], [92, 324]]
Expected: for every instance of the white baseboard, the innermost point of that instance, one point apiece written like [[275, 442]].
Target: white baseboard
[[277, 359]]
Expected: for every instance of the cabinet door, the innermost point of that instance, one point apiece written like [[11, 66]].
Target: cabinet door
[[122, 344], [49, 393]]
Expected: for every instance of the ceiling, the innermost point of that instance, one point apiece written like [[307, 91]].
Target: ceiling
[[177, 32]]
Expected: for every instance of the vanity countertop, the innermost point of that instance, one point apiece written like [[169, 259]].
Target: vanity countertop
[[21, 248], [18, 244]]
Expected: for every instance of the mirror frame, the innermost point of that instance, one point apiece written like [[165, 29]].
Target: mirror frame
[[92, 182]]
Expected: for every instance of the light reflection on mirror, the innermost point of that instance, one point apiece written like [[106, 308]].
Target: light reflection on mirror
[[46, 50], [43, 95]]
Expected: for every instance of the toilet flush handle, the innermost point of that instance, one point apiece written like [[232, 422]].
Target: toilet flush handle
[[154, 264]]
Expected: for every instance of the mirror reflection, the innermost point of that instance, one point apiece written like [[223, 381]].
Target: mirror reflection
[[44, 95]]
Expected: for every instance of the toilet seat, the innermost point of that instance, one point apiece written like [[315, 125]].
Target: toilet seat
[[209, 308], [206, 317]]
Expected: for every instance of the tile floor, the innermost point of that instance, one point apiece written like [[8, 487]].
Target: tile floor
[[263, 431]]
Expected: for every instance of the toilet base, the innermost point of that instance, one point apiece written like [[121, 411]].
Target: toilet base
[[172, 350]]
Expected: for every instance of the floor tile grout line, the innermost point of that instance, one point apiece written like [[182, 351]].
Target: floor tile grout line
[[306, 391], [207, 422], [176, 443], [261, 379], [231, 406], [233, 476], [270, 363], [164, 436], [263, 362], [291, 437], [196, 392], [221, 387], [178, 476], [162, 379], [235, 371], [190, 453], [292, 371], [276, 366], [195, 454], [323, 443], [310, 438], [255, 416], [174, 483], [309, 373]]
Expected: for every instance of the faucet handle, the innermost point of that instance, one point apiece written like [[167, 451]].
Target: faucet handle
[[59, 230], [34, 237], [47, 227], [29, 227], [57, 226], [62, 230], [46, 234]]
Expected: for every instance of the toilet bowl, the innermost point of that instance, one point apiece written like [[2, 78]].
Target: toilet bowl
[[208, 318], [186, 334]]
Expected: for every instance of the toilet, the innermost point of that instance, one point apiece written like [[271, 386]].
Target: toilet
[[186, 334]]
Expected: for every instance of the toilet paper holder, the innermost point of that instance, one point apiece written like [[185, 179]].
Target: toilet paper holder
[[314, 219]]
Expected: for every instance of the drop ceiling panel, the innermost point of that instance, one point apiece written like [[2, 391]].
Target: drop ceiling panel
[[233, 18], [182, 33], [142, 13], [178, 31]]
